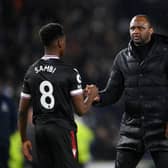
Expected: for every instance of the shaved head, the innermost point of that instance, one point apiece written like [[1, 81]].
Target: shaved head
[[143, 17]]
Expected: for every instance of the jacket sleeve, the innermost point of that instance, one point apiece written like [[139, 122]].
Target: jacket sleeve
[[114, 87]]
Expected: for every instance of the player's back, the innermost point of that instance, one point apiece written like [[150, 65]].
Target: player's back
[[50, 83]]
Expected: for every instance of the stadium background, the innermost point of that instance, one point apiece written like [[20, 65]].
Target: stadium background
[[96, 30]]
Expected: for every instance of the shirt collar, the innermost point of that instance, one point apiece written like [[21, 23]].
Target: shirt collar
[[46, 57]]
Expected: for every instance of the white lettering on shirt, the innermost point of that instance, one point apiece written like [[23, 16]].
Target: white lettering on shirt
[[45, 68]]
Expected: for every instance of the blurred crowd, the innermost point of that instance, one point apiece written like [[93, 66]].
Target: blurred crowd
[[96, 30]]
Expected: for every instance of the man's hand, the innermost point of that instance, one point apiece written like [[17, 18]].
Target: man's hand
[[92, 89], [27, 147]]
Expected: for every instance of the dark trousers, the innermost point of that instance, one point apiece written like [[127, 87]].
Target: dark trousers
[[56, 147], [4, 156], [130, 159]]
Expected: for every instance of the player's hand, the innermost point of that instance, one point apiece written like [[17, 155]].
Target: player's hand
[[27, 147], [166, 130], [92, 89]]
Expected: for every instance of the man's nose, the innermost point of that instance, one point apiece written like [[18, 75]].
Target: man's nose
[[136, 30]]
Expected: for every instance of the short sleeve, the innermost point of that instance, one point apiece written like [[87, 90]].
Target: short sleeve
[[26, 88], [76, 83]]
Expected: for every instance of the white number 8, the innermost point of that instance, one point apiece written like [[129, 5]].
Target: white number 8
[[47, 99]]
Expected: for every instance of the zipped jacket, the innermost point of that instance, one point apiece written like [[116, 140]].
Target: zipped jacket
[[145, 87]]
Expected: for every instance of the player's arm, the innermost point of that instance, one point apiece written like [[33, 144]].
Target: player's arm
[[22, 121], [25, 99], [23, 114], [82, 103]]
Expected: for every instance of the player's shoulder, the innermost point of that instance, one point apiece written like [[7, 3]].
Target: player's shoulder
[[70, 68], [73, 72], [34, 64], [31, 67]]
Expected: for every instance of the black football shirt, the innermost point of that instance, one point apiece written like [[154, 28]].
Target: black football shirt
[[50, 84]]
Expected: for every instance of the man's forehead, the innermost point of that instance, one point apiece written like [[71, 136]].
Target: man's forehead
[[139, 21]]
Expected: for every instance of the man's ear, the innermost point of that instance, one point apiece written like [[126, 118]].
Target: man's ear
[[59, 42], [151, 30]]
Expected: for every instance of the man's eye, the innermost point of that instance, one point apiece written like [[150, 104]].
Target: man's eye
[[142, 28], [132, 28]]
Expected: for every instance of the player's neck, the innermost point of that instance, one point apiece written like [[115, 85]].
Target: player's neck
[[46, 56], [51, 54], [53, 51]]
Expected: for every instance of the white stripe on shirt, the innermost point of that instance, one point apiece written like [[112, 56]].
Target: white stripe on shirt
[[46, 57], [76, 92], [25, 95]]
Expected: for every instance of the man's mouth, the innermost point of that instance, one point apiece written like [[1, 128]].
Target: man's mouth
[[136, 36]]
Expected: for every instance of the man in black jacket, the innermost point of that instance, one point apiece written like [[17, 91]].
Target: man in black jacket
[[141, 71]]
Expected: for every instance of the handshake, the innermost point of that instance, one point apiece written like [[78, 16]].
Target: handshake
[[93, 92]]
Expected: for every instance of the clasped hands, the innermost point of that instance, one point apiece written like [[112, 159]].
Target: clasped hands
[[92, 90]]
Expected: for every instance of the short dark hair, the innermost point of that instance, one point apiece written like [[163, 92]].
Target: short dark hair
[[50, 32]]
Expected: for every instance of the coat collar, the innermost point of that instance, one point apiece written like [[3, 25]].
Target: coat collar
[[132, 49]]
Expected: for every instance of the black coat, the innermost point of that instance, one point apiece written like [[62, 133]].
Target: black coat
[[145, 86]]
